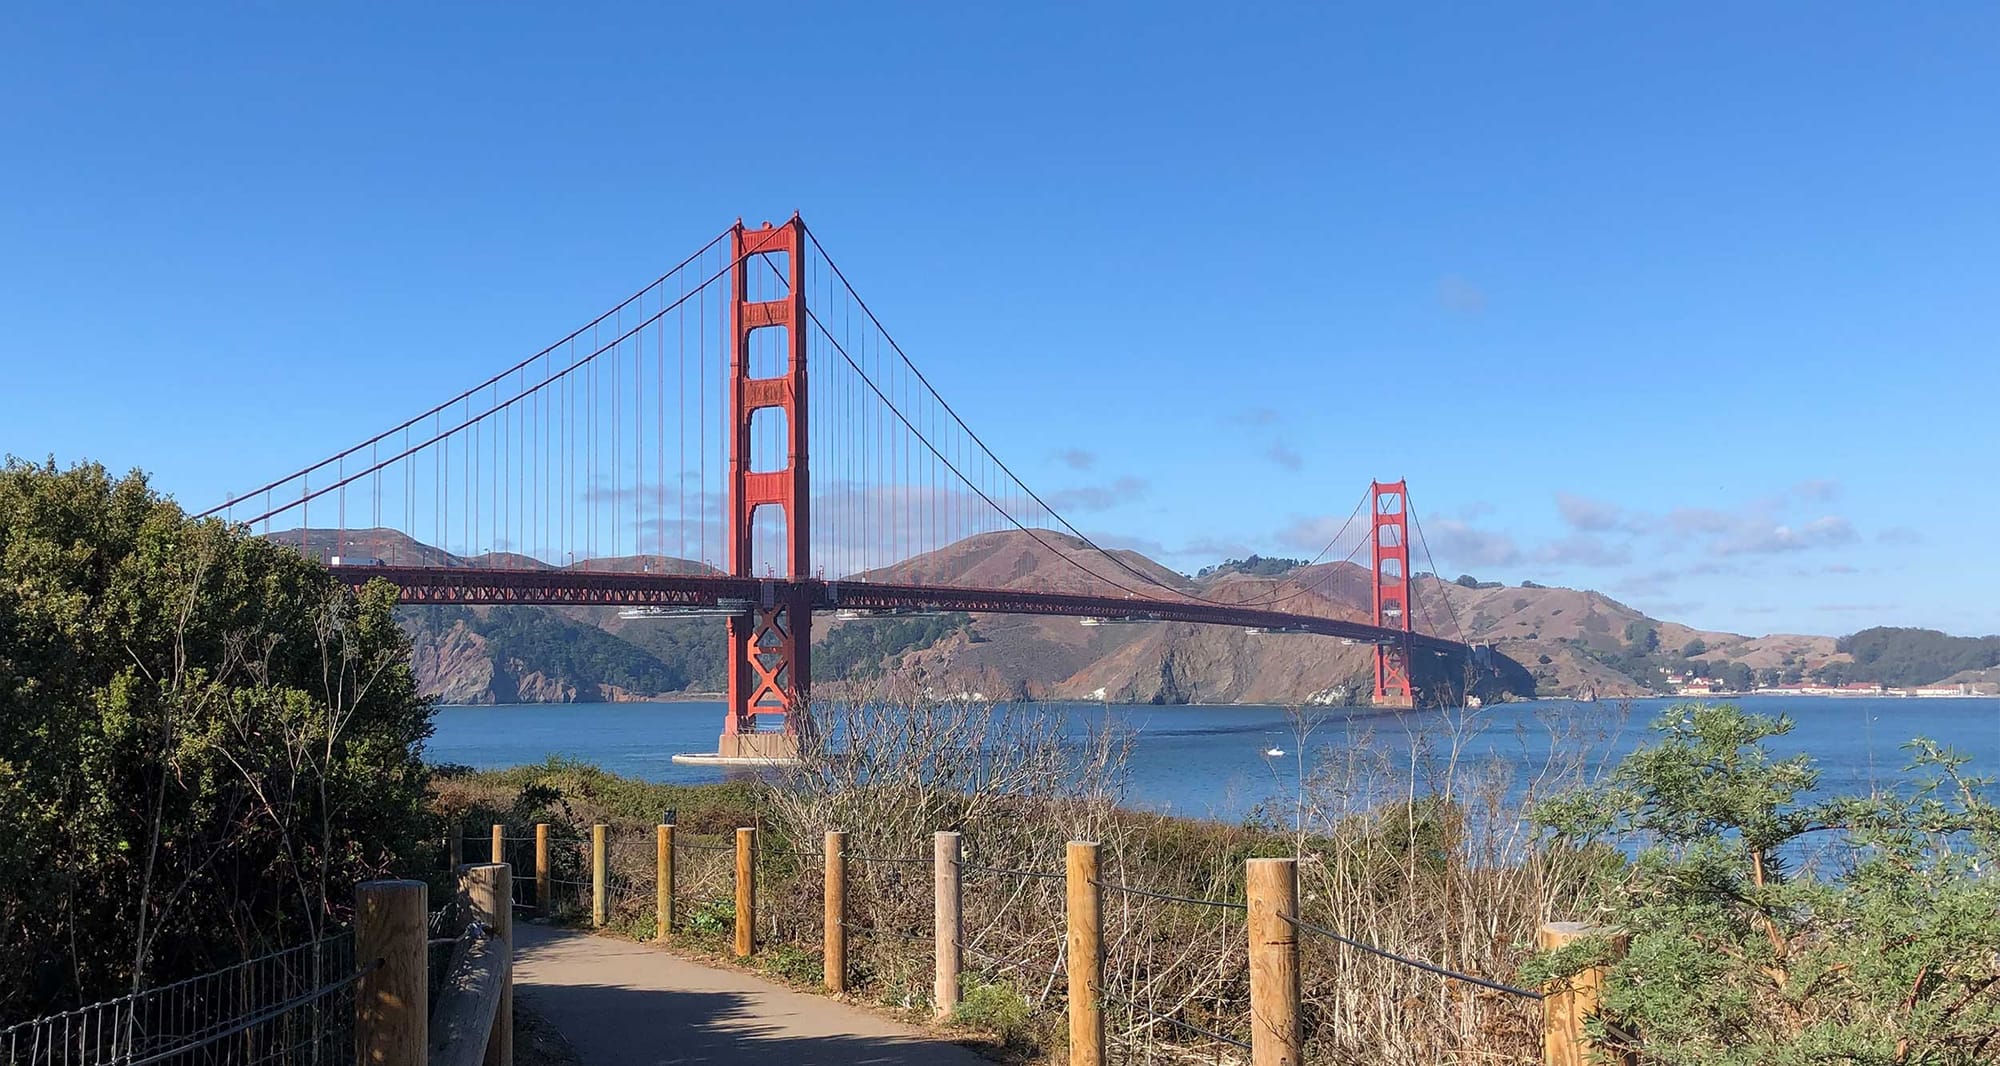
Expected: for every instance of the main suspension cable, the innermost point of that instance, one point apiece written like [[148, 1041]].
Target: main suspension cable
[[467, 394]]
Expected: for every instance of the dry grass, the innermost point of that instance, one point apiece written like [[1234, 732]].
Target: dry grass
[[1424, 854]]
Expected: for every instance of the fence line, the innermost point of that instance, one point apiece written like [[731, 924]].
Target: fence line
[[339, 985], [1044, 875], [886, 904], [1171, 898], [1512, 990], [892, 860], [154, 1024]]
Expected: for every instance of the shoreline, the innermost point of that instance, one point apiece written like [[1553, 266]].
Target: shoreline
[[1350, 708]]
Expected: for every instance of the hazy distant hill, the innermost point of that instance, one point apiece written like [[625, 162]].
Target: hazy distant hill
[[1572, 640], [1564, 641]]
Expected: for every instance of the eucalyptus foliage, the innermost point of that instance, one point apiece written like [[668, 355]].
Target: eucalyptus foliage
[[205, 740], [1770, 923]]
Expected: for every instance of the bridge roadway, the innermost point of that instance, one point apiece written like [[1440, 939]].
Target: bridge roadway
[[614, 588]]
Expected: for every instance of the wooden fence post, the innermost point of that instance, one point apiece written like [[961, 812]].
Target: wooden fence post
[[457, 843], [499, 842], [486, 896], [663, 881], [542, 869], [1085, 911], [391, 1008], [600, 872], [1567, 1003], [1274, 962], [946, 929], [746, 892], [834, 936]]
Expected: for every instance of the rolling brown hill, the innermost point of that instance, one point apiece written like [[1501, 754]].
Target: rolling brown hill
[[1566, 641]]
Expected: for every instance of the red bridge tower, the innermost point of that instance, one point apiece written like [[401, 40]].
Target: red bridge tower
[[1392, 592], [770, 648]]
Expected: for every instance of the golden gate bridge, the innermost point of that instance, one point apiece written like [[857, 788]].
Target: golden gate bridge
[[743, 436]]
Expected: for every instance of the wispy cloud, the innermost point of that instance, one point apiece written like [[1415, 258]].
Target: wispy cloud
[[1753, 537], [1899, 535], [1462, 544], [1584, 549], [1077, 458], [1217, 548], [1313, 533], [1098, 497], [1282, 454], [1592, 516], [1760, 527]]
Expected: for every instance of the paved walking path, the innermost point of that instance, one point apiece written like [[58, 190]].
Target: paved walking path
[[626, 1004]]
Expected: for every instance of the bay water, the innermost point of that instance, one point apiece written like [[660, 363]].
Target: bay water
[[1223, 762]]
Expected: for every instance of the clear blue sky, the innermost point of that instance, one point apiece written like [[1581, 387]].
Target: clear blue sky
[[1696, 306]]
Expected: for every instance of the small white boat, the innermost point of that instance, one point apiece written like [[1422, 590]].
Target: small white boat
[[1275, 751]]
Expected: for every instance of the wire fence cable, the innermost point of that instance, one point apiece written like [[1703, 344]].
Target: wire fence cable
[[1420, 964]]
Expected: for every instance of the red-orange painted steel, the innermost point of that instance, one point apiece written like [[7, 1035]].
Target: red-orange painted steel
[[770, 649], [483, 585], [1393, 606]]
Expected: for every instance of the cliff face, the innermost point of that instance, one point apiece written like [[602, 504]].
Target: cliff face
[[456, 667]]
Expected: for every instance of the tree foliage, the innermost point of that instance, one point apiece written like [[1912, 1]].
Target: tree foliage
[[1898, 656], [858, 650], [1254, 566], [204, 740], [1881, 951]]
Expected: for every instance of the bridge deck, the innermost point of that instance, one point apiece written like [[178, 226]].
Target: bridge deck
[[626, 1004], [569, 587]]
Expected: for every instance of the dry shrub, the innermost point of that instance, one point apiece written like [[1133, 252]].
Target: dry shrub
[[1425, 850], [1416, 847]]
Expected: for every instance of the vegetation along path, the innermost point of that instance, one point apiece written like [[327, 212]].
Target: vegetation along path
[[625, 1004]]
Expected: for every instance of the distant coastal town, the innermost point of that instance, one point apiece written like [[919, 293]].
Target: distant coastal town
[[1690, 685]]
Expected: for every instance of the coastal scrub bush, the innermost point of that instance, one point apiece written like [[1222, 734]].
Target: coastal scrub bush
[[998, 1008], [1770, 924], [205, 740]]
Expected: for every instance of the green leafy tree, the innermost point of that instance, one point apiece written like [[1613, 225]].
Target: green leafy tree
[[1254, 566], [1898, 656], [1884, 953], [860, 650], [204, 740]]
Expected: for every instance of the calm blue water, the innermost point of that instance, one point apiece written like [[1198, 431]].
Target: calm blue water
[[1212, 761]]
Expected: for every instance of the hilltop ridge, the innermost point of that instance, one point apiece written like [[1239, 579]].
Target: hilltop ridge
[[1564, 641]]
